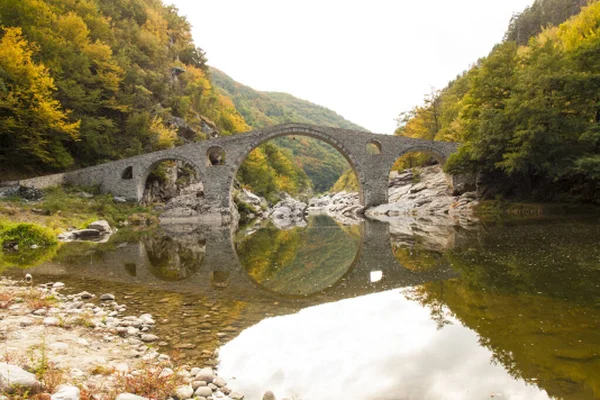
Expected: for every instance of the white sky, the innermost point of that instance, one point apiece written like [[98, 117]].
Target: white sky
[[366, 60]]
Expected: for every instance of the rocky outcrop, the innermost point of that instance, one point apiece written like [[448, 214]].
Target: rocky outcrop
[[288, 213], [89, 344], [342, 206], [250, 204], [190, 205], [422, 191]]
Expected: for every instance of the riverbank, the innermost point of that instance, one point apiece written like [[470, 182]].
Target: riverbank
[[60, 208], [86, 346]]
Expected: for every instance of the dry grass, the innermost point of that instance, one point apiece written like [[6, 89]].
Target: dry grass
[[36, 299], [6, 300], [51, 377], [148, 383], [83, 320], [102, 370]]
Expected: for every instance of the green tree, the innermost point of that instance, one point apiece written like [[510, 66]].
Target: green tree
[[32, 122]]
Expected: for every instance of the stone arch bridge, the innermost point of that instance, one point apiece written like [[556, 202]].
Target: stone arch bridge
[[216, 162]]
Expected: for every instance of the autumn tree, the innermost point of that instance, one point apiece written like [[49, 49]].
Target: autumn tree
[[34, 128]]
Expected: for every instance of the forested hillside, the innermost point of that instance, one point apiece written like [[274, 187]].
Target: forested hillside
[[87, 81], [271, 108], [320, 161], [529, 23], [528, 117]]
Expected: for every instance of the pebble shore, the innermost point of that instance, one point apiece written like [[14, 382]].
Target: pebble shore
[[84, 346]]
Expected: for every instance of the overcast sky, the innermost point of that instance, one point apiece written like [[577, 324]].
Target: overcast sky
[[366, 60]]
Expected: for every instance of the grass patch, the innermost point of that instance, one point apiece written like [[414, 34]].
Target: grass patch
[[26, 234], [36, 300], [71, 206], [65, 207]]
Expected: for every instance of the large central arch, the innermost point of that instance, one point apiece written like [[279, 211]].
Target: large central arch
[[295, 130]]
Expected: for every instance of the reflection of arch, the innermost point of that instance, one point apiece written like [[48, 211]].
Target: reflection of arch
[[326, 286], [215, 155], [373, 147], [313, 132], [169, 260], [141, 184]]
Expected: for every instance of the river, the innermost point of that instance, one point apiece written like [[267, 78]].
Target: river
[[422, 308]]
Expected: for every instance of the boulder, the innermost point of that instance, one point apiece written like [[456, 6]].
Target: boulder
[[86, 234], [184, 392], [100, 225], [269, 396], [13, 377], [203, 391], [66, 392], [206, 374]]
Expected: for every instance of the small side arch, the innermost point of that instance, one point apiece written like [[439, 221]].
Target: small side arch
[[127, 173], [215, 155], [373, 147], [436, 154], [141, 183]]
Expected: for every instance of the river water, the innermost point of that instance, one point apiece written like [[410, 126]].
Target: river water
[[421, 308]]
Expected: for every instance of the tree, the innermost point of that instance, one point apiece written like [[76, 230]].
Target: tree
[[33, 126]]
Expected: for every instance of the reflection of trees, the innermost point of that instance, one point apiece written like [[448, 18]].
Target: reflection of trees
[[301, 260], [174, 258], [531, 293]]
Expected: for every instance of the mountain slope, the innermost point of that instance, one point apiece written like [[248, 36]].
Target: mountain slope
[[261, 109], [321, 162]]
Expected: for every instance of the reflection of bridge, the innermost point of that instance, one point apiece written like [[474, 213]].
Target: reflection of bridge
[[220, 274], [127, 177]]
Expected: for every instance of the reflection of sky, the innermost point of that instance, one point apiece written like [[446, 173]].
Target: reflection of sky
[[376, 347]]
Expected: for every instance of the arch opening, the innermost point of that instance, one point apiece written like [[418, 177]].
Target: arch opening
[[215, 155], [282, 161], [167, 179], [127, 173], [373, 147]]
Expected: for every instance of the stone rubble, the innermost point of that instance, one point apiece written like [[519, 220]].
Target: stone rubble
[[92, 342]]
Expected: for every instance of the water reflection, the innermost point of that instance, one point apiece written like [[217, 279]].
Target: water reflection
[[514, 307], [174, 258], [300, 260], [379, 346]]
